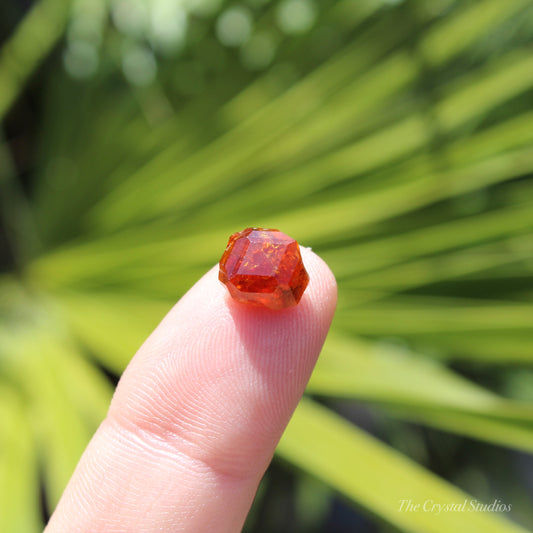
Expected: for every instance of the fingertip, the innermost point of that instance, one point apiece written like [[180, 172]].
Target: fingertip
[[199, 411], [322, 283]]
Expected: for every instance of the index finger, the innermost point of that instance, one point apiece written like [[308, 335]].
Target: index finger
[[198, 413]]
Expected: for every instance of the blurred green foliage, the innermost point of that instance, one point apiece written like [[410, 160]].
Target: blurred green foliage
[[395, 138]]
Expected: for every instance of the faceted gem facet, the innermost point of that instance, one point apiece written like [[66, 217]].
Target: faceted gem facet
[[263, 267]]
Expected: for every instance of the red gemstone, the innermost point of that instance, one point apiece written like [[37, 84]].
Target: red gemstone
[[263, 267]]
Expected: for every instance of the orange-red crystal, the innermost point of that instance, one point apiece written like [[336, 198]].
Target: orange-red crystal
[[263, 267]]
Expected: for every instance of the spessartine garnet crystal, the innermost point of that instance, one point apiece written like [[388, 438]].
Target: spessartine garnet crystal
[[263, 267]]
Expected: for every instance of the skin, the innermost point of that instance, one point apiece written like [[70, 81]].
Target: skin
[[198, 413]]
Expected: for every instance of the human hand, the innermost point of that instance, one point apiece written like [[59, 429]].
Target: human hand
[[198, 412]]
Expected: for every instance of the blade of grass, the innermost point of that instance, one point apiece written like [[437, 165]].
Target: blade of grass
[[405, 316], [375, 476], [112, 326], [419, 273], [472, 97], [453, 35], [88, 390], [380, 372], [421, 389], [496, 432], [33, 39], [493, 347], [454, 233], [19, 483], [59, 431]]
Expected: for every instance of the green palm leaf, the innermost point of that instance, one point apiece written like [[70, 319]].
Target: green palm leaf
[[393, 139], [376, 476]]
